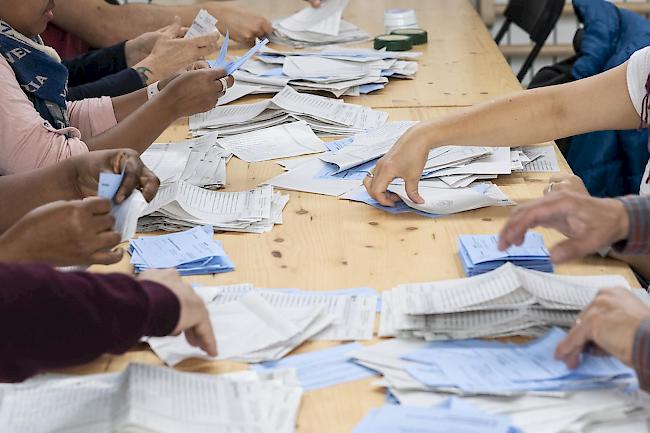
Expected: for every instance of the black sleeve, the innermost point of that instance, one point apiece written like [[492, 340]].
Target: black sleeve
[[95, 65], [121, 83]]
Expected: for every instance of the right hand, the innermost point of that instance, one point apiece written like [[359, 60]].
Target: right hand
[[590, 223], [244, 25], [194, 319], [405, 160], [172, 53], [64, 233], [195, 91]]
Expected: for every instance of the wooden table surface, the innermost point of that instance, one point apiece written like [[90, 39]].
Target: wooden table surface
[[326, 243]]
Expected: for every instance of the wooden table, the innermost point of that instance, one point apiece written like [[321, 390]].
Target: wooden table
[[326, 243]]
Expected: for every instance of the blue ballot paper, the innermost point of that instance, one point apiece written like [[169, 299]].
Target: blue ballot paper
[[322, 368], [498, 368], [480, 253], [192, 252], [233, 66], [449, 417]]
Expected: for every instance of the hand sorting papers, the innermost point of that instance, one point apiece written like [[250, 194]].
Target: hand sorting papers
[[340, 71], [200, 162], [506, 301], [317, 26], [233, 66], [181, 205], [322, 368], [255, 325], [151, 399], [126, 213], [323, 115], [480, 253], [193, 252]]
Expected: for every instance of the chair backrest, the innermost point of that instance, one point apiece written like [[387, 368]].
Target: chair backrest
[[535, 17]]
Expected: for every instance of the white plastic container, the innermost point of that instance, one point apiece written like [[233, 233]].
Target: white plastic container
[[400, 19]]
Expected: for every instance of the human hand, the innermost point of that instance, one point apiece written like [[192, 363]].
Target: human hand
[[64, 233], [87, 167], [196, 91], [610, 322], [135, 50], [194, 319], [314, 3], [171, 52], [243, 24], [405, 160], [566, 182], [590, 223]]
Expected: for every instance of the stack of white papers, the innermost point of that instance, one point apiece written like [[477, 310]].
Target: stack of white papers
[[340, 71], [192, 252], [126, 213], [255, 325], [317, 26], [323, 115], [535, 159], [145, 398], [506, 301], [181, 205], [201, 161]]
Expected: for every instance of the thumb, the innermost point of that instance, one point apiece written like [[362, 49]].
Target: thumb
[[172, 31], [568, 250], [411, 187]]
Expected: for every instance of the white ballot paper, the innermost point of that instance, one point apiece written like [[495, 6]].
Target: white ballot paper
[[145, 398], [250, 330], [282, 141], [200, 162], [203, 24], [325, 20]]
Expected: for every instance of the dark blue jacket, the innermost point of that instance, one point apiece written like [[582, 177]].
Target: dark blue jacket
[[611, 163]]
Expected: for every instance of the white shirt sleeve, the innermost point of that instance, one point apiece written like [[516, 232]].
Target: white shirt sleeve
[[638, 69]]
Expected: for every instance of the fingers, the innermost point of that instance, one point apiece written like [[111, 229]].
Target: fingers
[[206, 44], [411, 187], [96, 205], [149, 183], [130, 181], [107, 257], [579, 336], [570, 249], [314, 3], [172, 31], [377, 185], [202, 336], [196, 66]]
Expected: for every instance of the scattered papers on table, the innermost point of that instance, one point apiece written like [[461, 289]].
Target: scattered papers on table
[[339, 71], [255, 325], [126, 213], [317, 26], [192, 252], [152, 399], [281, 141], [180, 205], [203, 24], [200, 162], [505, 368], [322, 368], [451, 416], [507, 301], [323, 115], [535, 159], [480, 253]]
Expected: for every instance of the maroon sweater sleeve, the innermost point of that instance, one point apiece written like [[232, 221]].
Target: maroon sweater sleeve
[[51, 319]]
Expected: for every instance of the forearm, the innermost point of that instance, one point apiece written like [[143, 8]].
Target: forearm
[[20, 193], [540, 115], [139, 122], [63, 319]]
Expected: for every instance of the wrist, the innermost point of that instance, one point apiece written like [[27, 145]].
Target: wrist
[[622, 219], [147, 71], [165, 104]]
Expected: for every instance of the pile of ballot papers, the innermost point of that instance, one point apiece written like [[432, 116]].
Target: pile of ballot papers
[[325, 116], [336, 70], [317, 26], [507, 301], [480, 254], [192, 252], [610, 399], [181, 205], [201, 161], [145, 398], [256, 325]]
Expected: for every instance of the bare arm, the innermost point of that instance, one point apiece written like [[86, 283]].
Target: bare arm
[[597, 103]]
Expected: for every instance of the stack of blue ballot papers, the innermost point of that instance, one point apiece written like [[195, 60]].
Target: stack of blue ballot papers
[[480, 254], [192, 252], [451, 416], [492, 368]]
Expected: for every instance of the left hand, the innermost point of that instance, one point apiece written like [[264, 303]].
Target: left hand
[[244, 25], [87, 168], [139, 48], [610, 322], [566, 182]]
